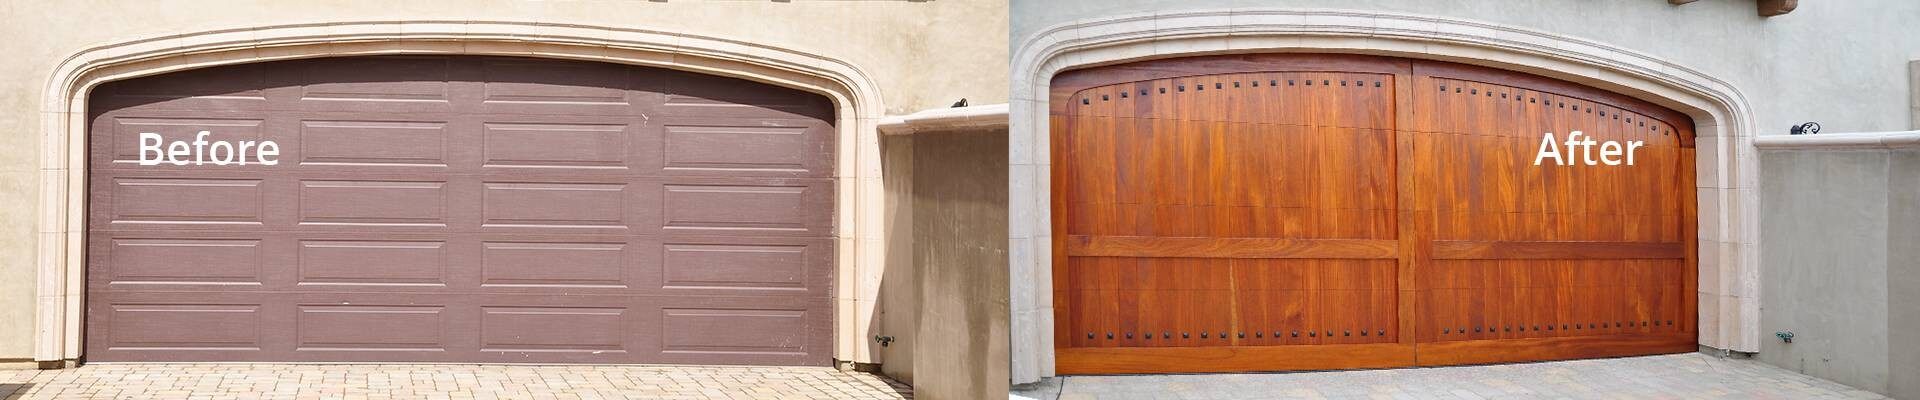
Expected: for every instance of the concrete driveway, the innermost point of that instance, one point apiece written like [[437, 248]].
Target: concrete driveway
[[1679, 376], [289, 381]]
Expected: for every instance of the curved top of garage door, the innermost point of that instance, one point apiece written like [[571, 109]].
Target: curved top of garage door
[[463, 209]]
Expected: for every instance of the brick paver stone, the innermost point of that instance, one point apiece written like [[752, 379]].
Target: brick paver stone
[[443, 381]]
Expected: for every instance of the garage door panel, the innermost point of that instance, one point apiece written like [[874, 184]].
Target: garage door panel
[[734, 331], [531, 86], [125, 134], [554, 264], [557, 145], [755, 330], [182, 200], [742, 147], [253, 99], [745, 266], [1218, 158], [457, 209], [1549, 251], [379, 143], [400, 84], [1204, 209], [554, 206], [692, 94], [373, 202], [196, 327], [232, 88], [746, 207], [175, 261], [344, 328], [528, 329], [402, 262]]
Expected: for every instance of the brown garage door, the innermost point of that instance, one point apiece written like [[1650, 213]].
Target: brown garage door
[[463, 209], [1284, 212]]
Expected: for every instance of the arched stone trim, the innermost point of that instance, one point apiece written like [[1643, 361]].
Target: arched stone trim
[[1724, 120], [61, 232]]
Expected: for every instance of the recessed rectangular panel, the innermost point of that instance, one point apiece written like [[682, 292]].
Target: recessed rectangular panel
[[567, 205], [696, 90], [187, 200], [371, 328], [372, 262], [539, 81], [734, 331], [744, 148], [373, 143], [756, 267], [715, 207], [199, 261], [553, 264], [182, 326], [239, 82], [126, 144], [401, 79], [373, 203], [555, 145], [553, 329]]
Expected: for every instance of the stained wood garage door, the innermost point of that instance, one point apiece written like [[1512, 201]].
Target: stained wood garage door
[[1286, 212], [463, 209]]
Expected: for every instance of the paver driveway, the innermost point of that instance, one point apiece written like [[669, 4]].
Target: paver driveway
[[286, 381], [1679, 376]]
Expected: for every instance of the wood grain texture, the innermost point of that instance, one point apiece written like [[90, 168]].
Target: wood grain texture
[[1144, 246], [1273, 211], [1084, 361], [1497, 250], [1559, 348]]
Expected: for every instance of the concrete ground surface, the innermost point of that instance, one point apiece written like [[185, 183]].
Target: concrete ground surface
[[1678, 376], [289, 381]]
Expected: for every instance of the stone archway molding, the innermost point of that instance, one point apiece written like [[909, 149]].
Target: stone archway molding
[[1724, 120], [61, 232]]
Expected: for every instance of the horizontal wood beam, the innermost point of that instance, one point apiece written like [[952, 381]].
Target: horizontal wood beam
[[1200, 247], [1159, 360], [1492, 250], [1466, 352]]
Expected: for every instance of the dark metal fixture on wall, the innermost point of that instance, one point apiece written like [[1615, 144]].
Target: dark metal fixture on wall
[[1808, 128], [1767, 8]]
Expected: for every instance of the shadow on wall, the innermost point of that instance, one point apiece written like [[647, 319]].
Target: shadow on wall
[[956, 338]]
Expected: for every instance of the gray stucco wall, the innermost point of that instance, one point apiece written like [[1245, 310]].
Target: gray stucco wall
[[1792, 67], [1824, 263], [1903, 276]]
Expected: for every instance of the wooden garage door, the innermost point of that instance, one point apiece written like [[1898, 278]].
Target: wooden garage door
[[1287, 212], [463, 209]]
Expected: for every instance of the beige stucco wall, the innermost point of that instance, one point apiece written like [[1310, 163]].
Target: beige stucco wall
[[959, 222], [918, 55]]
